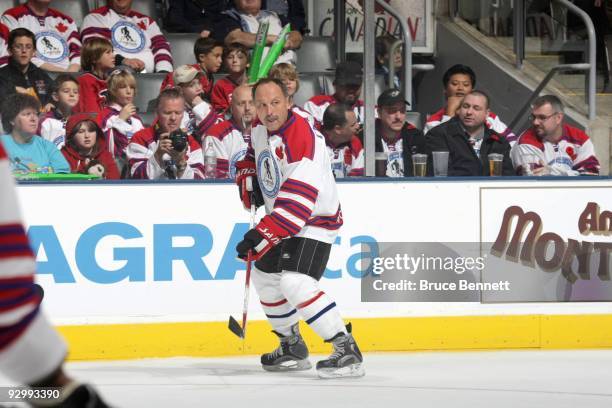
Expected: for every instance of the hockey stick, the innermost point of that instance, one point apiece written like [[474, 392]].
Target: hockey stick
[[233, 325]]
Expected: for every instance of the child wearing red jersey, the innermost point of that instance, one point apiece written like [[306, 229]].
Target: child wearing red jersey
[[97, 60], [235, 58]]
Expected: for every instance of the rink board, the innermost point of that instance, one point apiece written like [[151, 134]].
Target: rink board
[[139, 270]]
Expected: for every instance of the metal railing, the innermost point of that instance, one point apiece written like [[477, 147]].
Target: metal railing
[[407, 83], [590, 65], [536, 92]]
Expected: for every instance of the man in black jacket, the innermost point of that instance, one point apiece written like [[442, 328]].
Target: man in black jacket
[[20, 75], [396, 140], [468, 141]]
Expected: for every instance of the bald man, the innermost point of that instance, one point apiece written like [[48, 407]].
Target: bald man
[[231, 137]]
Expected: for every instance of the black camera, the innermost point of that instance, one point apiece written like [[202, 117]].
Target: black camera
[[179, 140]]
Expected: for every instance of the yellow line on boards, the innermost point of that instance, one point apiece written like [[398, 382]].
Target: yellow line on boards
[[213, 339]]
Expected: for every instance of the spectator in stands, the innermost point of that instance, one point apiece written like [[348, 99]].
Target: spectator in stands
[[85, 148], [289, 11], [552, 147], [344, 148], [209, 56], [347, 84], [396, 139], [151, 153], [193, 16], [4, 36], [288, 74], [199, 115], [469, 141], [20, 75], [383, 54], [28, 153], [236, 60], [240, 24], [58, 45], [52, 126], [136, 38], [460, 80], [97, 61], [231, 137], [119, 120]]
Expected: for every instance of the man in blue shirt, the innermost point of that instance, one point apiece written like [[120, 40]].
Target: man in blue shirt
[[28, 153]]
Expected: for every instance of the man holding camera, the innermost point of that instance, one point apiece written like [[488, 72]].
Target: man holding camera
[[164, 151]]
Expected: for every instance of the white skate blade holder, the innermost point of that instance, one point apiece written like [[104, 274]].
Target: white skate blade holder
[[350, 371]]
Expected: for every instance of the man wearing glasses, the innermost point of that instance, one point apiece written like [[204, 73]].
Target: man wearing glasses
[[552, 147], [20, 75]]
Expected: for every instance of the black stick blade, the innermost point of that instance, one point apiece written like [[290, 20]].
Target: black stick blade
[[39, 291], [235, 328]]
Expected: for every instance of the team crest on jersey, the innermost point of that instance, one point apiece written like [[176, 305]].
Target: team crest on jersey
[[127, 37], [51, 47], [268, 174], [235, 158]]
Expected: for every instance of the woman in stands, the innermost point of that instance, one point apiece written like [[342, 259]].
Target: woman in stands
[[97, 61], [85, 148]]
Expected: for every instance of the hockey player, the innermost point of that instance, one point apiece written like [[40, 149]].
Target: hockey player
[[291, 244], [231, 137], [31, 351]]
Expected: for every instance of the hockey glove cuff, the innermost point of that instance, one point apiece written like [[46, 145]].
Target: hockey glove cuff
[[248, 187], [258, 240]]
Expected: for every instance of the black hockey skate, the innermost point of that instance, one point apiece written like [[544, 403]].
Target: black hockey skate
[[74, 395], [345, 361], [291, 355]]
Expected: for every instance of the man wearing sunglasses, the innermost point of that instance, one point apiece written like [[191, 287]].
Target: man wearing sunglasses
[[552, 147]]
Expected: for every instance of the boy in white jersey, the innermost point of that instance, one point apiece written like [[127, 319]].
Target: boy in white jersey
[[291, 244]]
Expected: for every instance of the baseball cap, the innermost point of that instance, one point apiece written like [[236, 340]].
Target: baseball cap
[[184, 74], [348, 73], [391, 97]]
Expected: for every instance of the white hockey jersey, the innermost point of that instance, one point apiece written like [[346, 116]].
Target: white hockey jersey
[[317, 105], [133, 35], [57, 37], [573, 155], [197, 120], [4, 55], [230, 145], [52, 127], [293, 171], [347, 160], [142, 164], [395, 158], [30, 348]]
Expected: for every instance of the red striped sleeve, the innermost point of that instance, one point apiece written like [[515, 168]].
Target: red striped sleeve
[[300, 188]]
